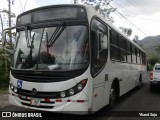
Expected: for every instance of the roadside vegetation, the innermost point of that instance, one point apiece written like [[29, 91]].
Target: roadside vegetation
[[152, 60], [4, 73]]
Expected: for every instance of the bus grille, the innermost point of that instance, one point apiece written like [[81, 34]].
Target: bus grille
[[38, 77], [39, 94], [43, 104]]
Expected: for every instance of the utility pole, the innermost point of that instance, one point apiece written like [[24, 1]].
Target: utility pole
[[9, 20], [75, 1], [1, 20]]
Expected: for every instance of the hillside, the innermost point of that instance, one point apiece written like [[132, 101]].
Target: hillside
[[149, 43]]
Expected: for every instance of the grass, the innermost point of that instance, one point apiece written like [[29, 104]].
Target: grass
[[4, 90]]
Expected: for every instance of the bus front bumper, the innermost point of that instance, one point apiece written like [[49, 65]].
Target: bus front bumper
[[77, 104]]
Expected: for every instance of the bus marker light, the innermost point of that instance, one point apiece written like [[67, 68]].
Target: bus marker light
[[68, 100], [71, 91], [46, 100], [83, 81], [80, 101], [58, 100], [79, 87]]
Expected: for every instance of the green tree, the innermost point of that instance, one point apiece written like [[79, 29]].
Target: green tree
[[157, 48], [4, 75], [102, 6], [153, 60], [127, 31], [97, 7], [136, 38]]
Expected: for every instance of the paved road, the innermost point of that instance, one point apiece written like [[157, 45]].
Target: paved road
[[136, 100]]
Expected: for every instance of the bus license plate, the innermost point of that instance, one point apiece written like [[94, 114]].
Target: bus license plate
[[35, 102]]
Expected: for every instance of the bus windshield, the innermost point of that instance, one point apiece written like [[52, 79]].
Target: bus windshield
[[52, 48]]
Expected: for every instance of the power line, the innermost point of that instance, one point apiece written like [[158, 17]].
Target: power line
[[135, 3], [131, 3], [122, 6], [21, 5], [131, 23], [139, 8], [119, 5], [141, 18], [136, 17], [134, 26], [121, 18], [25, 5]]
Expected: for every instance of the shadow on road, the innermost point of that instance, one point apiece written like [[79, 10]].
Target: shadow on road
[[155, 90], [110, 112]]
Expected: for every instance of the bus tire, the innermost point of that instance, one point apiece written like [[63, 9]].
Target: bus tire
[[113, 95]]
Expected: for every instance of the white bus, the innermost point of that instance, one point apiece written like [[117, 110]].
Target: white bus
[[69, 59]]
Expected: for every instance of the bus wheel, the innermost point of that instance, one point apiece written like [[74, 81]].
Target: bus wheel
[[112, 97]]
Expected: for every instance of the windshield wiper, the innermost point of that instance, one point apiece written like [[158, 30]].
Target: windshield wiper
[[56, 34], [28, 41], [30, 57]]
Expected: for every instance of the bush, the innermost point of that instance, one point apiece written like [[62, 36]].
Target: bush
[[4, 75], [149, 67], [152, 60]]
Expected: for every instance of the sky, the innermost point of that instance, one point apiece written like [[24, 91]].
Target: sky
[[143, 14]]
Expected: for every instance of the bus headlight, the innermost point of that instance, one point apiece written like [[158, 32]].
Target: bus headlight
[[71, 91], [63, 94], [74, 90], [13, 88], [79, 87]]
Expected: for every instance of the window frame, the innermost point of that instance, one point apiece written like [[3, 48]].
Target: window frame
[[91, 42]]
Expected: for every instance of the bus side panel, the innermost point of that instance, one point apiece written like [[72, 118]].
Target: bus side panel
[[98, 95], [118, 71], [106, 92], [98, 91]]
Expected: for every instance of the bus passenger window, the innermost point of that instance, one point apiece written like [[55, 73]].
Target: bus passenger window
[[123, 49], [114, 46], [138, 56]]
